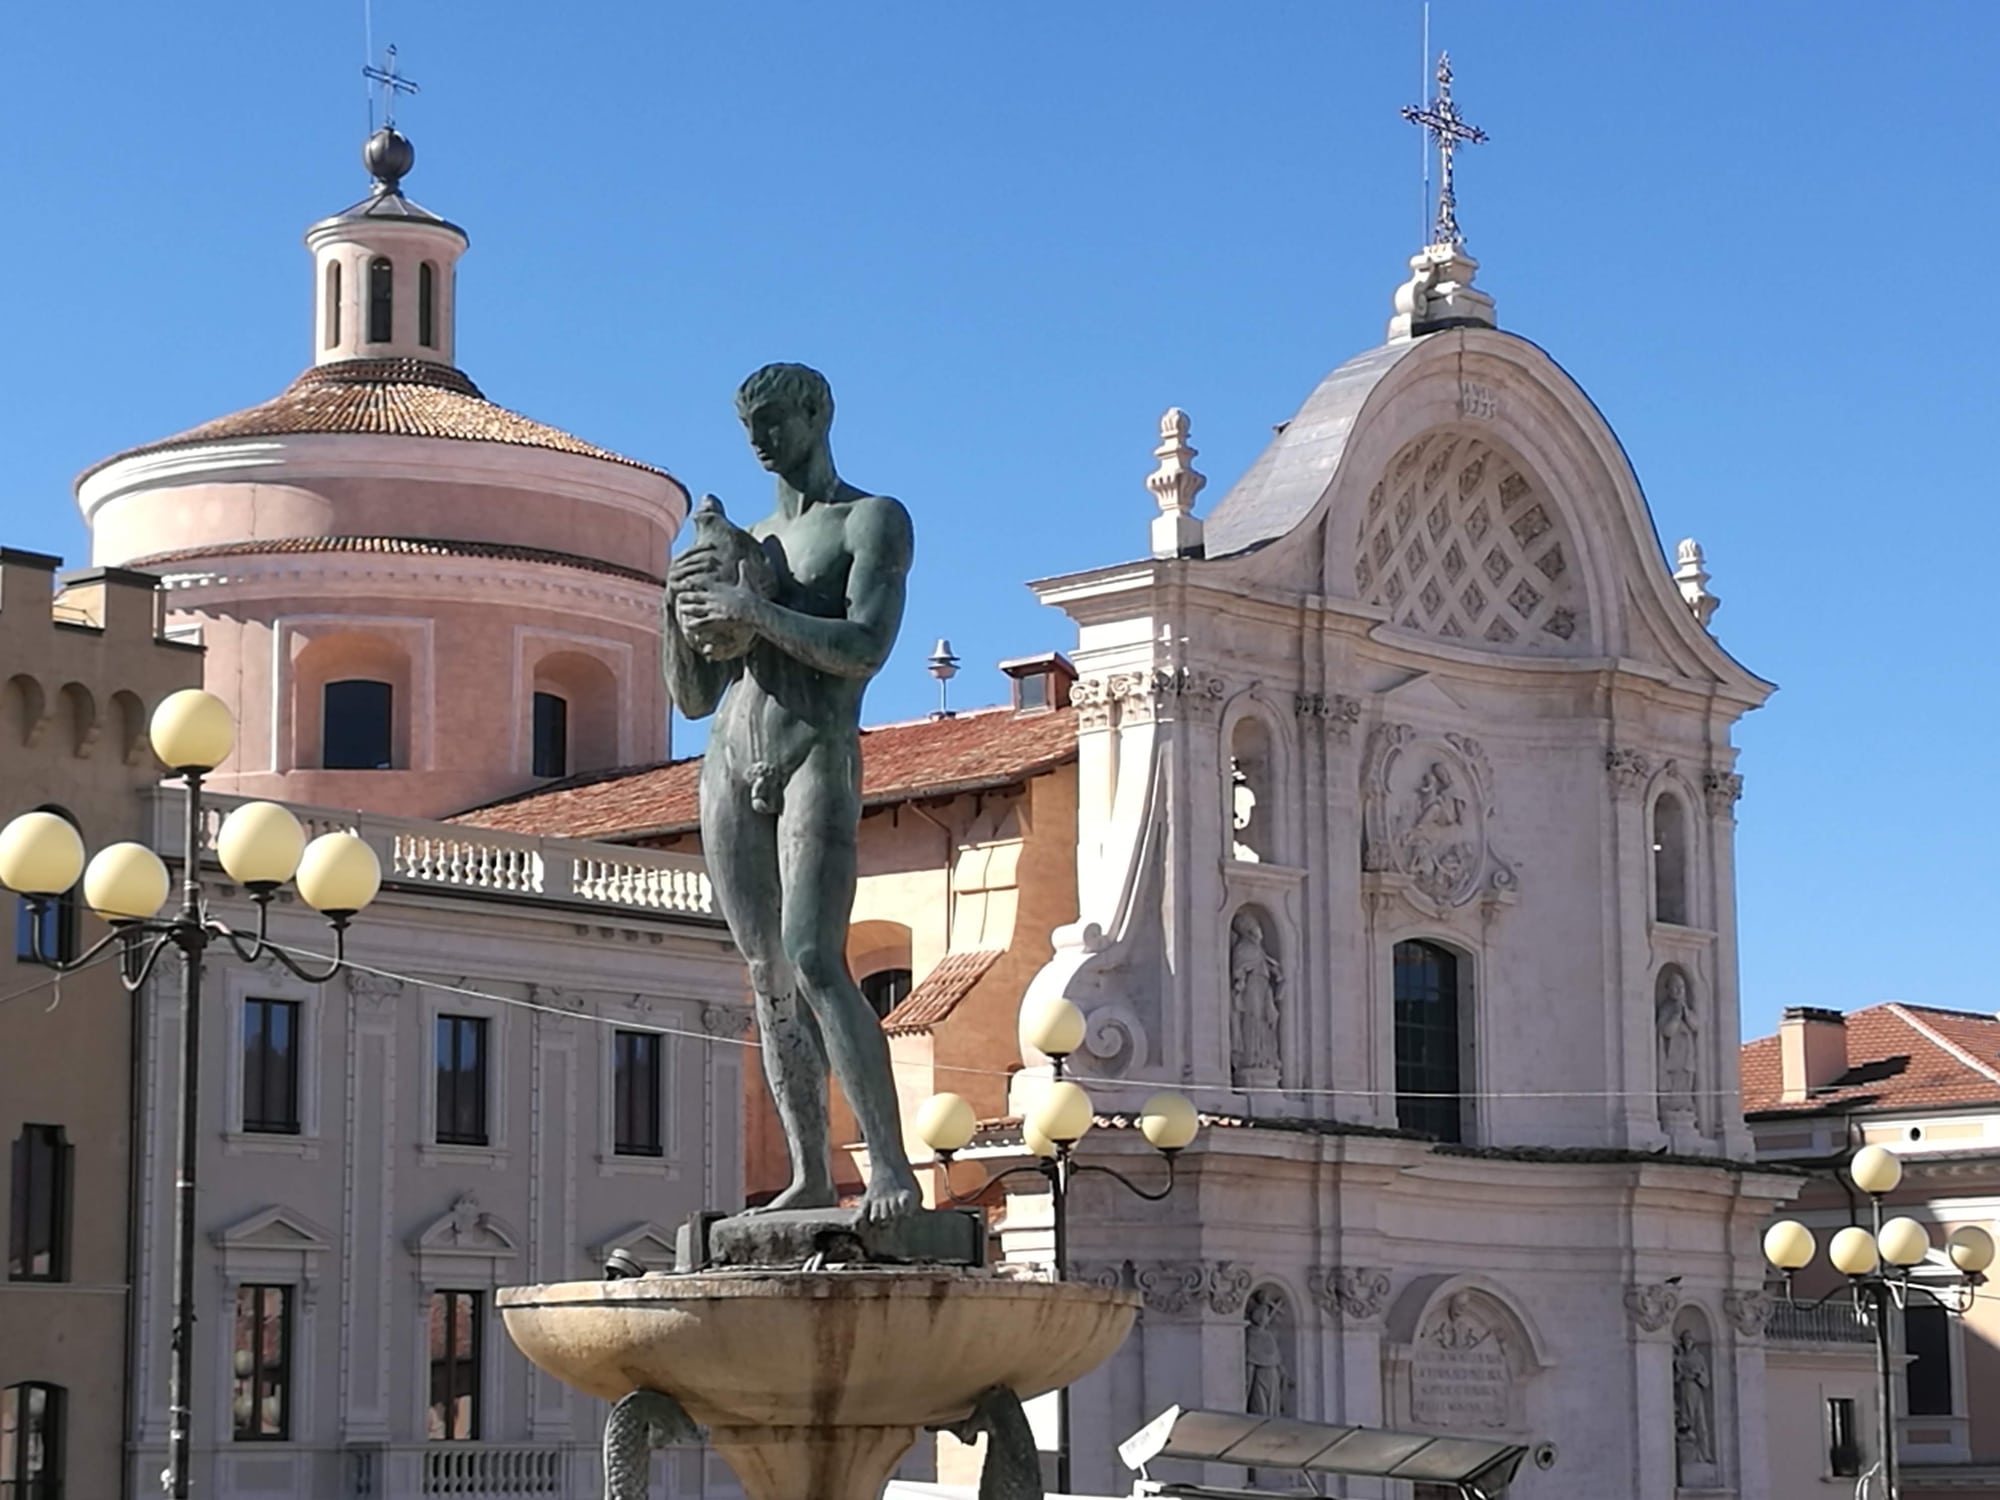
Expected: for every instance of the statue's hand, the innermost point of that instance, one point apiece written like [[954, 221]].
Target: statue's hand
[[712, 600], [694, 567]]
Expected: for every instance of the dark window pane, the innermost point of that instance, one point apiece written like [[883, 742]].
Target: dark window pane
[[636, 1093], [355, 721], [31, 1442], [885, 989], [454, 1352], [1927, 1340], [38, 1221], [271, 1066], [381, 300], [1670, 861], [461, 1080], [551, 735], [1032, 691], [1427, 1041], [426, 313], [261, 1369], [1843, 1443]]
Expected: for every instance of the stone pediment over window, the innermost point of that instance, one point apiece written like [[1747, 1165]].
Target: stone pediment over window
[[465, 1233], [274, 1229], [652, 1245], [1460, 543]]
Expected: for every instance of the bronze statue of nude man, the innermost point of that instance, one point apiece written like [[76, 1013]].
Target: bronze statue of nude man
[[781, 655]]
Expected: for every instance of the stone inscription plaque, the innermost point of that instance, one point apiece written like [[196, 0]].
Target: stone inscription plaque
[[1461, 1377]]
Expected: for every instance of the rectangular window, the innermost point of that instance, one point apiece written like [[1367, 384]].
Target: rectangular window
[[455, 1341], [31, 1442], [551, 735], [38, 1225], [1843, 1441], [1427, 1041], [262, 1364], [271, 1066], [1927, 1340], [381, 300], [357, 724], [426, 309], [54, 927], [461, 1081], [636, 1092]]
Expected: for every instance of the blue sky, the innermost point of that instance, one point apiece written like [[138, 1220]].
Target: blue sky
[[1759, 235]]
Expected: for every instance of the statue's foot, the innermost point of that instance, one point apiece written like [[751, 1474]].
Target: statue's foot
[[890, 1195], [805, 1192]]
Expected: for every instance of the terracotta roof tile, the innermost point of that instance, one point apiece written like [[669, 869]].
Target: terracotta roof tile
[[391, 397], [938, 996], [403, 546], [1899, 1057], [976, 751]]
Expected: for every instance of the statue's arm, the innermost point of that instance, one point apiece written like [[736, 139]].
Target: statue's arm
[[882, 545], [695, 683]]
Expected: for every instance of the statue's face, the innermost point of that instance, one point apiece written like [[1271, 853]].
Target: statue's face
[[782, 436]]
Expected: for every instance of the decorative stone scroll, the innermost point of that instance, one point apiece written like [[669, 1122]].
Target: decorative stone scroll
[[1747, 1311], [1141, 697], [1359, 1293], [1178, 1287], [376, 991], [1427, 805], [1721, 789], [1629, 770], [1338, 712], [1652, 1305]]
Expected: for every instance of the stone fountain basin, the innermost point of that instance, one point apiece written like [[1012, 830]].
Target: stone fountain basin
[[861, 1348]]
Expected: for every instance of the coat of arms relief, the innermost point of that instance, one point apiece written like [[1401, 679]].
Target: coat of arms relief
[[1427, 810]]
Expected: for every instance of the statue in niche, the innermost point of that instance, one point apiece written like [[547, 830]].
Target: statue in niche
[[1254, 980], [1673, 1017], [1694, 1408], [1264, 1373]]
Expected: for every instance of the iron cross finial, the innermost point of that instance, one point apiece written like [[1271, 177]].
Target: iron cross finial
[[1441, 118], [392, 83]]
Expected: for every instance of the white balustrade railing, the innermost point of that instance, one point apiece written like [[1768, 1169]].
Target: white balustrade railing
[[449, 856], [483, 1471]]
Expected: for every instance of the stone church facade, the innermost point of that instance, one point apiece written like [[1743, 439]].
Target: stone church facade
[[1406, 811]]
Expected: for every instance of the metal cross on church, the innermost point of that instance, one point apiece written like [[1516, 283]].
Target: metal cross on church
[[1440, 117], [393, 83]]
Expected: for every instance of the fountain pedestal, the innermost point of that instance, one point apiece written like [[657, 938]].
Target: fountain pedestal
[[814, 1384]]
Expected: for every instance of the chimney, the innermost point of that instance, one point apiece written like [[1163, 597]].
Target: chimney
[[1812, 1050]]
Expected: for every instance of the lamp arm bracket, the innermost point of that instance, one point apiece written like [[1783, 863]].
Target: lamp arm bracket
[[952, 1200], [1127, 1183]]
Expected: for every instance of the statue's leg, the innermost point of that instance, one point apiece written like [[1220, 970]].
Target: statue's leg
[[740, 846], [643, 1421], [816, 859]]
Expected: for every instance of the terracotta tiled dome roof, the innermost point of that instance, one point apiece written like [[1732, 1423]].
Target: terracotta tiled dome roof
[[391, 397], [401, 546]]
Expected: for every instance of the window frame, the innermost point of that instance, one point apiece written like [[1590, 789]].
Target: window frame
[[1439, 1113], [427, 304], [471, 1360], [46, 1483], [262, 1123], [22, 1240], [446, 1103], [381, 308], [1935, 1381], [649, 1140], [287, 1301], [1671, 860], [387, 761], [1843, 1460]]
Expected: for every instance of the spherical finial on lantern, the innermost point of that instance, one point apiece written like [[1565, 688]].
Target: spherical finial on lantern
[[1853, 1252], [339, 874], [41, 854], [192, 731], [1052, 1026], [1168, 1122], [1788, 1245], [1875, 1170], [260, 845], [126, 883], [946, 1123]]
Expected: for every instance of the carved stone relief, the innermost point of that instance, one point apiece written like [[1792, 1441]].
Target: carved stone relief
[[1694, 1411], [1462, 1370], [1338, 712], [1268, 1380], [1255, 983], [1176, 1288], [1721, 789], [1141, 697], [1629, 770], [1652, 1305], [1747, 1311], [1679, 1050], [376, 991], [1427, 807], [1359, 1293]]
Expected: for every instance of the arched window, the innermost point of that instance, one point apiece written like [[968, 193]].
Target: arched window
[[381, 300], [357, 718], [31, 1441], [585, 691], [1670, 860], [885, 989], [426, 305], [1252, 809], [1428, 1041], [551, 735], [332, 303], [38, 1210], [53, 928]]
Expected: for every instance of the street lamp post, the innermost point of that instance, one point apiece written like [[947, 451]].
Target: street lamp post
[[1877, 1262], [262, 846], [1058, 1121]]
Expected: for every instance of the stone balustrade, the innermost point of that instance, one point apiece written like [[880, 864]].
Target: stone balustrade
[[489, 1471], [447, 856]]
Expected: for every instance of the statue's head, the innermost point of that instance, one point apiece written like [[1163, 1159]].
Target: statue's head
[[787, 410]]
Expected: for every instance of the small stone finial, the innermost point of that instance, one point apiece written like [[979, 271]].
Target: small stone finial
[[1691, 576], [1175, 483], [388, 156], [1440, 295]]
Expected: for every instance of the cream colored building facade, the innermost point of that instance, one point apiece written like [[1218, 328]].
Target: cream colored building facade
[[80, 674]]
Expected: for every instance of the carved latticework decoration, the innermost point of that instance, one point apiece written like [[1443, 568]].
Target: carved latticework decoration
[[1460, 544]]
